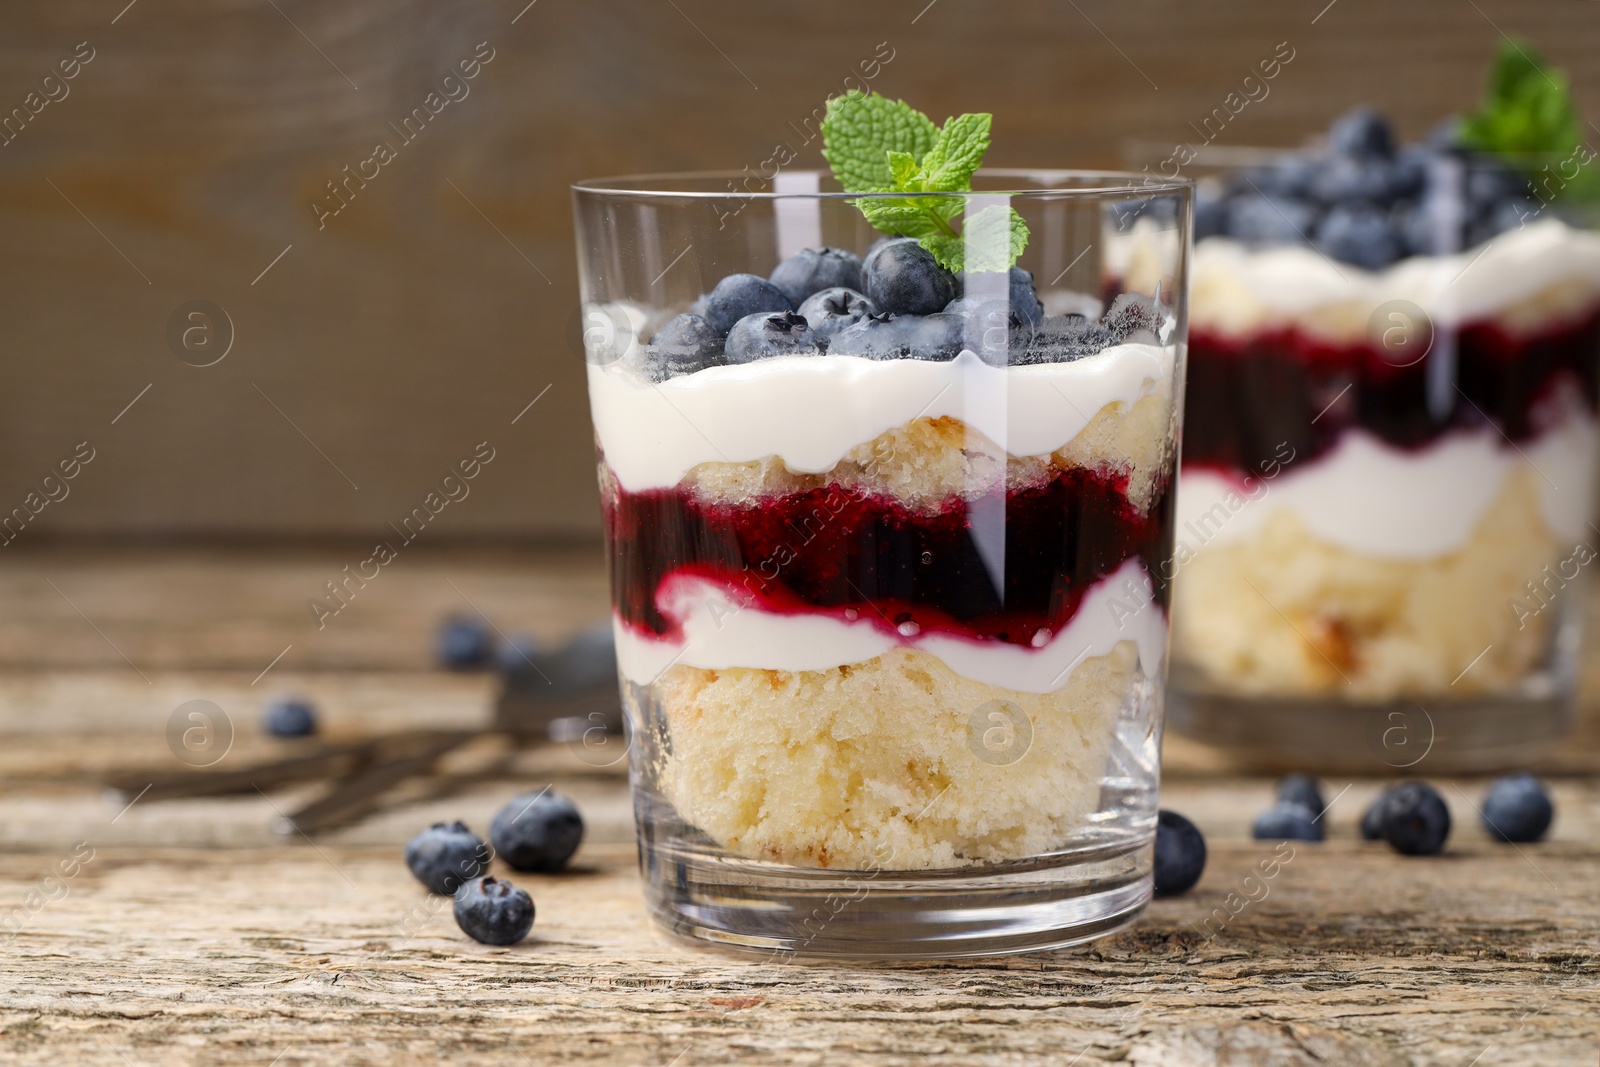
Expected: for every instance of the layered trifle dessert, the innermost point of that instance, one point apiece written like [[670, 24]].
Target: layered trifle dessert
[[1390, 437], [885, 554]]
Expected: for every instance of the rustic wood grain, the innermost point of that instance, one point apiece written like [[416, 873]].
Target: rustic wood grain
[[429, 312], [333, 955], [196, 934]]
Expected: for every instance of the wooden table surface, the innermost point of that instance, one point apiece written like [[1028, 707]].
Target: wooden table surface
[[188, 932]]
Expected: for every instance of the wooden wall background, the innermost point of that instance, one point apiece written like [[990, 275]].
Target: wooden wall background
[[377, 352]]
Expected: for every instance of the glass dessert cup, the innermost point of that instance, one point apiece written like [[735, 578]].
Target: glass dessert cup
[[891, 622], [1387, 480]]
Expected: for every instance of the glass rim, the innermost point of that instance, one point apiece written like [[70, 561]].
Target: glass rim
[[1113, 183]]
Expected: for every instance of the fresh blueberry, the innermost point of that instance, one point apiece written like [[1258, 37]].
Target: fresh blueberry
[[1517, 809], [521, 652], [1210, 214], [538, 832], [462, 643], [934, 337], [1361, 131], [903, 278], [1292, 176], [1025, 306], [877, 244], [740, 295], [290, 717], [983, 312], [684, 345], [1024, 298], [1501, 217], [493, 911], [1415, 820], [1413, 167], [1489, 181], [1302, 789], [1365, 180], [1356, 233], [1267, 219], [1434, 226], [1286, 821], [762, 335], [1372, 821], [1180, 854], [831, 310], [445, 855], [812, 270]]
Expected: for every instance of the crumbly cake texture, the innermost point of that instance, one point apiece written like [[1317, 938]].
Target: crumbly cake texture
[[927, 461], [844, 767], [1349, 625]]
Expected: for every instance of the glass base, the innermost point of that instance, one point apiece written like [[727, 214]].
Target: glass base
[[1506, 731], [787, 912]]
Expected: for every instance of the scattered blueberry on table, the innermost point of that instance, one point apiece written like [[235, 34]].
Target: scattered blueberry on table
[[519, 652], [290, 717], [463, 643], [538, 832], [445, 855], [1414, 819], [1180, 855], [493, 911], [1517, 809], [1287, 821], [1372, 821], [1304, 790]]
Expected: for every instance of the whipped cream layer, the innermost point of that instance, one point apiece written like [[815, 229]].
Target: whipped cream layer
[[811, 410], [719, 632], [1238, 289], [1370, 497]]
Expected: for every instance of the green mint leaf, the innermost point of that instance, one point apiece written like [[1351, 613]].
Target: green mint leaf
[[902, 169], [877, 145], [950, 163], [991, 240], [859, 131], [920, 216], [896, 218], [1528, 116]]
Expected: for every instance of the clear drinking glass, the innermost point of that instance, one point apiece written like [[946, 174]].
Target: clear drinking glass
[[1384, 518], [891, 624]]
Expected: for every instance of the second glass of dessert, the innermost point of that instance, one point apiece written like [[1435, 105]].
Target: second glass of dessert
[[885, 540], [1389, 456]]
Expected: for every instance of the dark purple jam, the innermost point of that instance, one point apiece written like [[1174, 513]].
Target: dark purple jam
[[1252, 402], [836, 550]]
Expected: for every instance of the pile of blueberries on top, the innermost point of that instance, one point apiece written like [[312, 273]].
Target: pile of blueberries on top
[[898, 304], [1412, 817], [1367, 201]]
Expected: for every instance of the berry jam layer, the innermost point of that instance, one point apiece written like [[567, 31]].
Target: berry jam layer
[[856, 554], [1252, 401]]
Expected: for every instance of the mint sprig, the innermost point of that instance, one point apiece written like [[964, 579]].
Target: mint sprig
[[1528, 116], [878, 145]]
